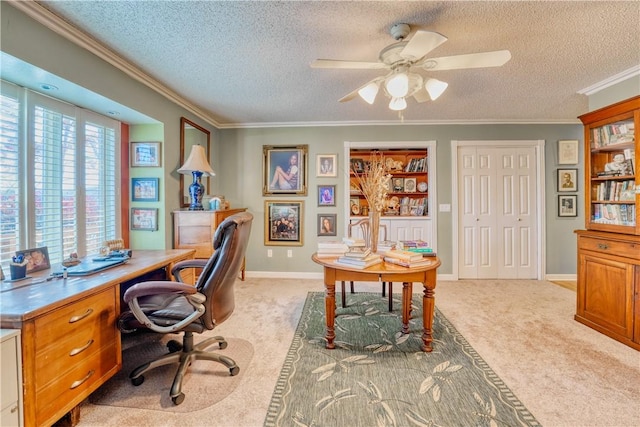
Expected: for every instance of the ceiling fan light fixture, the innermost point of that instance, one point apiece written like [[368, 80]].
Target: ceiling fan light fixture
[[435, 88], [369, 92], [397, 85], [397, 104]]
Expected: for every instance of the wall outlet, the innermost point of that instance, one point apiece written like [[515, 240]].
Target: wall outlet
[[289, 253], [269, 253]]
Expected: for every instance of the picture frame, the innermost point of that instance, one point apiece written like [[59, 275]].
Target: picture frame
[[410, 185], [567, 205], [145, 154], [277, 166], [37, 258], [1, 274], [144, 219], [327, 165], [326, 195], [357, 165], [327, 224], [283, 233], [397, 184], [568, 152], [145, 189], [567, 180]]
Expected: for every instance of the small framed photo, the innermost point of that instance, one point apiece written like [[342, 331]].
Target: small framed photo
[[568, 152], [326, 195], [567, 180], [145, 219], [283, 223], [568, 205], [285, 170], [145, 154], [326, 165], [327, 224], [37, 259], [145, 189], [409, 185], [397, 185], [357, 165]]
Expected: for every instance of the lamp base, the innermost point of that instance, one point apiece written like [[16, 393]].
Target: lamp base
[[196, 191]]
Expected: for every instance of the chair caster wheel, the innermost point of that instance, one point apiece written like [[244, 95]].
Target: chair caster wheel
[[178, 399], [234, 371], [174, 346], [222, 345], [137, 380]]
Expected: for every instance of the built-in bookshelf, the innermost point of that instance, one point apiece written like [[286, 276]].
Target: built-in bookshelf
[[611, 168]]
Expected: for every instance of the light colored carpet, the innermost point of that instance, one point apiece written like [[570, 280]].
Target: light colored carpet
[[204, 384], [565, 373]]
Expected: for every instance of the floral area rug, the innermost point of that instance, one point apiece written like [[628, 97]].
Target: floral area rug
[[377, 376]]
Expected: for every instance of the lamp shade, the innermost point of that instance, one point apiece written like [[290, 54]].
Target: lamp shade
[[435, 88], [369, 92], [197, 162], [397, 104], [397, 85]]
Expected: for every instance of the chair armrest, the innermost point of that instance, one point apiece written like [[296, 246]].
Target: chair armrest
[[189, 263], [144, 289]]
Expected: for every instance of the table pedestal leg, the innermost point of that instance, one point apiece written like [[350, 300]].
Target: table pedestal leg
[[330, 314], [428, 306], [407, 290]]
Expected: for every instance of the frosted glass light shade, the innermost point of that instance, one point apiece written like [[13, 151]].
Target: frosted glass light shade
[[397, 85], [369, 92], [397, 104], [197, 162], [435, 88]]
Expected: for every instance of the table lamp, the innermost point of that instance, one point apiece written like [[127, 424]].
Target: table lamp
[[198, 165]]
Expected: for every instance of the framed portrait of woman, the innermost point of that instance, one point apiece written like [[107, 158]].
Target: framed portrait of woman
[[326, 195], [284, 170], [327, 224]]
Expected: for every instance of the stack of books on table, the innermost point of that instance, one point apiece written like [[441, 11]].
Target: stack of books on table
[[331, 249], [405, 258], [360, 263], [385, 246], [412, 244]]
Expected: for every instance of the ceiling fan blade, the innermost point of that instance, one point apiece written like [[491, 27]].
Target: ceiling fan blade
[[422, 43], [421, 95], [355, 93], [354, 65], [472, 60]]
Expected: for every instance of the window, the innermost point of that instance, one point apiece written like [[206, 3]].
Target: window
[[58, 176]]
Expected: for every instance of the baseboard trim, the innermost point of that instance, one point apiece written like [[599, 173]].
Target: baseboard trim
[[561, 277]]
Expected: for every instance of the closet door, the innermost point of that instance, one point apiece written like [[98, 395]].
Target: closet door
[[497, 238]]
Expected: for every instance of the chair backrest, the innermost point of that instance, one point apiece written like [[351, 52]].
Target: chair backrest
[[365, 229], [216, 281]]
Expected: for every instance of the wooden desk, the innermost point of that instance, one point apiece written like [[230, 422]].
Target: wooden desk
[[70, 340], [384, 273]]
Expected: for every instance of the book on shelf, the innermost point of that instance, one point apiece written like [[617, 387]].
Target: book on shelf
[[403, 255], [360, 263], [396, 261], [358, 252]]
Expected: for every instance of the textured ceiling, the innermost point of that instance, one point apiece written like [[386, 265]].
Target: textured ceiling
[[248, 62]]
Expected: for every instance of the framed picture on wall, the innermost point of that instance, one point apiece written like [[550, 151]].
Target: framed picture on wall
[[283, 223], [326, 165], [145, 189], [145, 219], [567, 180], [568, 205], [285, 170], [326, 195], [145, 154], [327, 224], [568, 152]]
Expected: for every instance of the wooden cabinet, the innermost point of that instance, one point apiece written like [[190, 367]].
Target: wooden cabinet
[[195, 230], [608, 295], [612, 180], [609, 250], [11, 386]]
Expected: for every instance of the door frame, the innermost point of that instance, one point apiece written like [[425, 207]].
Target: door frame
[[538, 146]]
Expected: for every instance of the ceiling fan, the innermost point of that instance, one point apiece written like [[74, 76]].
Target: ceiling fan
[[402, 59]]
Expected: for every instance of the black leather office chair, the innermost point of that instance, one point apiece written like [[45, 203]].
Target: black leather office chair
[[170, 307], [365, 230]]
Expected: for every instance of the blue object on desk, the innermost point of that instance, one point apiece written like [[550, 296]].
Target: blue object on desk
[[90, 266]]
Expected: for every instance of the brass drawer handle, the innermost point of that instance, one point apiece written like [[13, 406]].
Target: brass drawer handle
[[80, 349], [603, 246], [75, 319], [80, 382]]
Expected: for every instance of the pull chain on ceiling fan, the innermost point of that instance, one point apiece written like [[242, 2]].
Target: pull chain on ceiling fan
[[401, 57]]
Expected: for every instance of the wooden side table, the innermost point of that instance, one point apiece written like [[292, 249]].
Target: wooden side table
[[195, 230]]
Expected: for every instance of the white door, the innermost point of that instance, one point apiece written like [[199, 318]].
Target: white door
[[497, 211]]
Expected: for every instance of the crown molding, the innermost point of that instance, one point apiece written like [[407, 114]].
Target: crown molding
[[620, 77], [87, 42]]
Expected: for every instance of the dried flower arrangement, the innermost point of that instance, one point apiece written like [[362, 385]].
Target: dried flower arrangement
[[373, 182]]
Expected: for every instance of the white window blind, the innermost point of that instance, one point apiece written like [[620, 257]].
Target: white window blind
[[69, 197]]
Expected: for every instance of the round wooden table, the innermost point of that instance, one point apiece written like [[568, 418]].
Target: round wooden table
[[384, 272]]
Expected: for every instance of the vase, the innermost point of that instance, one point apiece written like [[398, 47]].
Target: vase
[[374, 223]]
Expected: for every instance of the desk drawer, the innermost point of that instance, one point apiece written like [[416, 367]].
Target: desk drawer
[[67, 336], [625, 249], [71, 387]]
